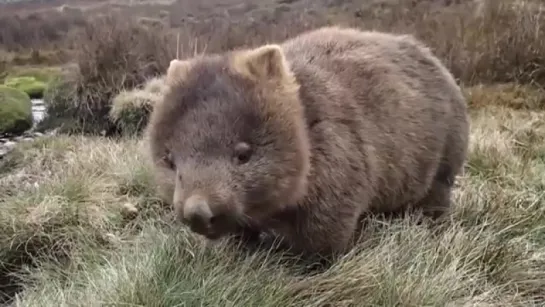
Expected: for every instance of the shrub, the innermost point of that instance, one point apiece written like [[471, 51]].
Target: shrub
[[115, 54], [37, 29], [60, 106]]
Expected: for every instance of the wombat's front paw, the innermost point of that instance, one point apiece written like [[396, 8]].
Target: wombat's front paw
[[247, 236]]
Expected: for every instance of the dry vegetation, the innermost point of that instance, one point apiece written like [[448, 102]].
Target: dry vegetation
[[119, 46], [81, 223]]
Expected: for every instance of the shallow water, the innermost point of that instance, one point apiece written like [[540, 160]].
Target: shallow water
[[38, 110]]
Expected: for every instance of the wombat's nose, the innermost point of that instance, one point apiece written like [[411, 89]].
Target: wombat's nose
[[197, 214]]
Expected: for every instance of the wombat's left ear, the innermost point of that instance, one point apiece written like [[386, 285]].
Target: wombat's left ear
[[177, 71], [262, 63]]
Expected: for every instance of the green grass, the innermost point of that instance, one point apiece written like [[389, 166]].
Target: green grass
[[67, 204]]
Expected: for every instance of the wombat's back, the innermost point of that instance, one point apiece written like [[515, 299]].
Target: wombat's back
[[385, 115]]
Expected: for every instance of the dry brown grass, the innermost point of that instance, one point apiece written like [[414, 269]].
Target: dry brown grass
[[476, 41], [45, 30], [511, 95]]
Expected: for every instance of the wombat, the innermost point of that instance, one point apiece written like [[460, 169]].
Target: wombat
[[303, 137]]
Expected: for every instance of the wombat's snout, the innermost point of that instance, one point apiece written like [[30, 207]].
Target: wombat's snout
[[198, 215]]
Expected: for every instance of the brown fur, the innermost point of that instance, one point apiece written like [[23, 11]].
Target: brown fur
[[340, 123]]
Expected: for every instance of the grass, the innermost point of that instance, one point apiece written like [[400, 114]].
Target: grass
[[82, 225], [512, 95]]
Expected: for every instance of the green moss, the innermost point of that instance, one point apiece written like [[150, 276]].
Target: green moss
[[30, 85], [43, 74], [31, 80], [15, 110]]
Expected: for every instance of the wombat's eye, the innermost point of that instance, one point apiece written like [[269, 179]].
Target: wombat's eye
[[243, 152], [168, 160]]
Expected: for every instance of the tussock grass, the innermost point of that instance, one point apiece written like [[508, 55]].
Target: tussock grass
[[69, 197], [131, 108], [66, 195]]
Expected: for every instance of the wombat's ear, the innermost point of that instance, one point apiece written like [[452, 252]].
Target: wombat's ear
[[262, 63], [177, 71]]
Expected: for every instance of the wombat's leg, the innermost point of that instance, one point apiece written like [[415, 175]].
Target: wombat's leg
[[438, 200], [248, 235], [253, 240], [325, 236]]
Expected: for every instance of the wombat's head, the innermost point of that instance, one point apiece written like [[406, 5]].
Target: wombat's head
[[231, 129]]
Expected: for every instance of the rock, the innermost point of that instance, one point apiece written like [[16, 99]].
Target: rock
[[10, 144], [15, 111], [112, 239], [129, 211], [6, 147]]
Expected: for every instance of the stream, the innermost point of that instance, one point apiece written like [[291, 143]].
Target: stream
[[38, 110]]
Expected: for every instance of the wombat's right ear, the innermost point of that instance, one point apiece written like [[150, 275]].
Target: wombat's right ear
[[177, 71], [266, 62]]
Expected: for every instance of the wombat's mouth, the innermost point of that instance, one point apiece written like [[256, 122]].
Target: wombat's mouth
[[213, 235], [215, 231]]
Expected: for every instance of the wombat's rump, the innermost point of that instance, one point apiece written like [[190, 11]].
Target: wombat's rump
[[303, 137]]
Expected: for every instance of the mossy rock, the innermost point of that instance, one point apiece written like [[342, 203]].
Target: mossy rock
[[15, 111], [28, 84]]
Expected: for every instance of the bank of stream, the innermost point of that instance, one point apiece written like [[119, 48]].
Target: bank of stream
[[38, 114]]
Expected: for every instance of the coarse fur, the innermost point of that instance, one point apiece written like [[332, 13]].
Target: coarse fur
[[335, 122]]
